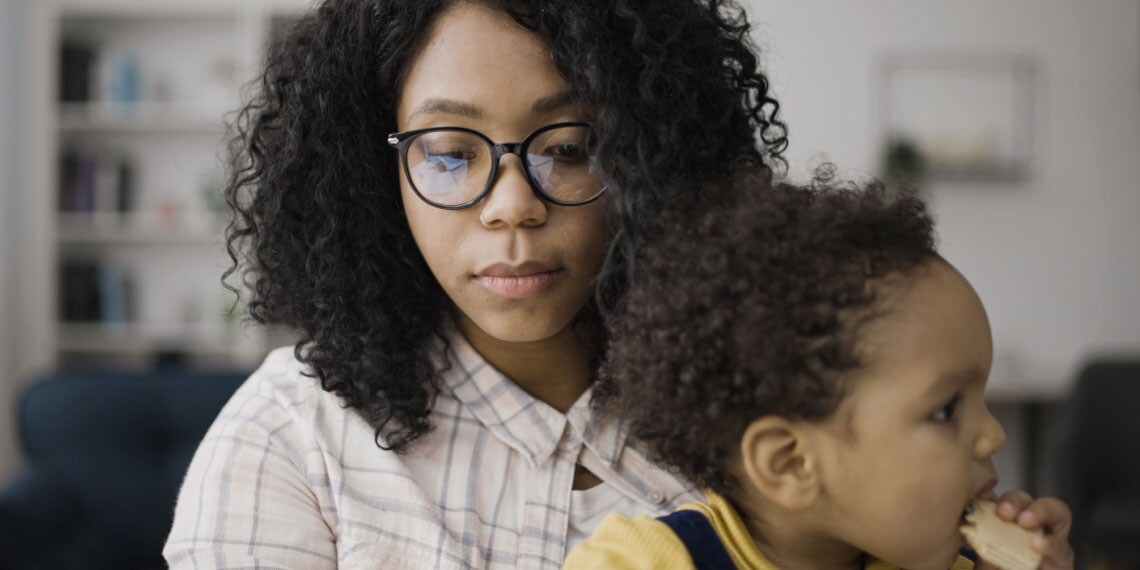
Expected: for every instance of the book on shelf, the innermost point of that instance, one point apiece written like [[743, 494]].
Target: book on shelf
[[90, 73], [95, 181], [75, 69], [94, 292]]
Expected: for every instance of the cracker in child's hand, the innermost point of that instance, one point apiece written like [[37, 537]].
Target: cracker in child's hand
[[999, 542]]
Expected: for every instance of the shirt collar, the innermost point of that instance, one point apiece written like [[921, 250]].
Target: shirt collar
[[526, 424]]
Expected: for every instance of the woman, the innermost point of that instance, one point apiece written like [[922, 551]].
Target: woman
[[441, 198]]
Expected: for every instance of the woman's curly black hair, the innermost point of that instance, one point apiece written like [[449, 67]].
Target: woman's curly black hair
[[319, 240], [751, 308]]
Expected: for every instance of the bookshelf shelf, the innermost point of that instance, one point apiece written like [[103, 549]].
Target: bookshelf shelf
[[140, 118], [111, 229], [131, 344], [112, 338]]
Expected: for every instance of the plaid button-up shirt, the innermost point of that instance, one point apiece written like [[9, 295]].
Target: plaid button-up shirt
[[289, 478]]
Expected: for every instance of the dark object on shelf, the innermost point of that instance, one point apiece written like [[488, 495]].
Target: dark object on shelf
[[170, 358], [105, 454], [75, 72], [80, 298], [95, 181], [124, 186], [904, 168], [1098, 461], [68, 181], [94, 292]]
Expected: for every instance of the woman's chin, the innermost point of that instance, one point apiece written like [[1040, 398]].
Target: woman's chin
[[513, 327]]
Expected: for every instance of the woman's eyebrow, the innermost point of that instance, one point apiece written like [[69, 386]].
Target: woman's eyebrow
[[446, 107], [436, 106], [555, 102]]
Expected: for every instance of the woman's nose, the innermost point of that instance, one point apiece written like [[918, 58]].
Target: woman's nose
[[512, 202]]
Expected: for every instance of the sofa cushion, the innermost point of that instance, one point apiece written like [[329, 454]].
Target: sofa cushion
[[119, 443]]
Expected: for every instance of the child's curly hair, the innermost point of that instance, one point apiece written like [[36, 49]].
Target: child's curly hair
[[751, 308], [319, 239]]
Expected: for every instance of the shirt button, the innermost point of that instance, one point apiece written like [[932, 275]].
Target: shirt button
[[657, 497]]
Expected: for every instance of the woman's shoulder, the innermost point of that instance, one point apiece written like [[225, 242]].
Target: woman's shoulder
[[282, 372], [283, 396], [281, 378], [251, 479]]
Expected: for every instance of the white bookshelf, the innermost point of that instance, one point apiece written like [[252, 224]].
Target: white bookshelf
[[113, 229], [162, 229], [140, 118]]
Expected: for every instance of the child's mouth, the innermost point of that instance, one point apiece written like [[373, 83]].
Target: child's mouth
[[966, 511], [986, 493]]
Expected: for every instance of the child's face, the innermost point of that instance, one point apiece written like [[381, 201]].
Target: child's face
[[913, 442]]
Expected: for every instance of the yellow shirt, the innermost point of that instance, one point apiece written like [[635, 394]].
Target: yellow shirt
[[644, 542]]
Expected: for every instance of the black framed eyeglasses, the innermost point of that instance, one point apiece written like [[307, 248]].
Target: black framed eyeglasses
[[455, 167]]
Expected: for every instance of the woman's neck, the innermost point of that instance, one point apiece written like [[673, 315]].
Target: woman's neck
[[555, 370]]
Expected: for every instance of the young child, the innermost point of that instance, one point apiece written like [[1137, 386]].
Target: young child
[[807, 357]]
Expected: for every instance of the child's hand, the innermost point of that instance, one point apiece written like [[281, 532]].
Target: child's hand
[[1050, 515]]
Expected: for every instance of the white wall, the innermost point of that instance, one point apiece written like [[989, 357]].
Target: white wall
[[1057, 259], [10, 44]]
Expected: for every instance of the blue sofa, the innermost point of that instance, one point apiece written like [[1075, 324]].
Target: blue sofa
[[105, 453]]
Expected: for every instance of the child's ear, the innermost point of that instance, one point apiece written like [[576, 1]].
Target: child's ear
[[779, 464]]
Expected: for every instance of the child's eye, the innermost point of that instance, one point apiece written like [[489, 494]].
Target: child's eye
[[946, 412]]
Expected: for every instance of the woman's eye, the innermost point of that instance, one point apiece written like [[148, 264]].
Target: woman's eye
[[450, 155], [448, 161], [947, 412], [567, 152]]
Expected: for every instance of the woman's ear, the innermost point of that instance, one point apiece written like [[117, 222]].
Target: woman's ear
[[779, 464]]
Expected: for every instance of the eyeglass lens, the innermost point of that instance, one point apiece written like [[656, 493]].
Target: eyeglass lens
[[451, 168]]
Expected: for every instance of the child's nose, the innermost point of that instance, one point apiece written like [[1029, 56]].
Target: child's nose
[[991, 439]]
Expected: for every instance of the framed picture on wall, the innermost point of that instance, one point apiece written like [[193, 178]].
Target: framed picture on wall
[[959, 117]]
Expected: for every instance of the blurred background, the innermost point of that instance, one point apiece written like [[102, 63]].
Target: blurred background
[[1018, 121]]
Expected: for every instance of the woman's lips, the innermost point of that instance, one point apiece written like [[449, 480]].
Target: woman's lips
[[521, 281]]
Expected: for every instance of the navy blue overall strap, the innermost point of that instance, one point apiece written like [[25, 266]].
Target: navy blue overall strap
[[698, 536]]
